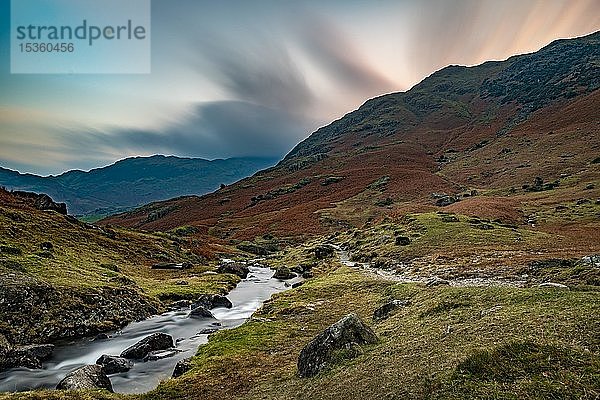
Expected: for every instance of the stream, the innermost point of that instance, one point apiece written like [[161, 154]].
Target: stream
[[247, 297]]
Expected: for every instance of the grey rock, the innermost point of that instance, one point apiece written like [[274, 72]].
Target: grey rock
[[446, 201], [284, 273], [402, 241], [210, 301], [182, 367], [86, 377], [384, 311], [348, 331], [449, 218], [201, 312], [238, 269], [46, 246], [156, 341], [179, 304], [30, 356], [114, 364], [593, 260], [324, 251], [308, 275]]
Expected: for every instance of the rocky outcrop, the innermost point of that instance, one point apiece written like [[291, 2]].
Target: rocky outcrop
[[210, 301], [30, 356], [114, 364], [182, 367], [156, 341], [66, 313], [446, 201], [324, 251], [344, 334], [238, 269], [86, 377], [385, 310], [284, 273], [41, 201]]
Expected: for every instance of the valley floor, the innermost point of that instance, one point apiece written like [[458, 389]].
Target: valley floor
[[450, 342]]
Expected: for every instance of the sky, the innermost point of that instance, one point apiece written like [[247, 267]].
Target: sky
[[253, 78]]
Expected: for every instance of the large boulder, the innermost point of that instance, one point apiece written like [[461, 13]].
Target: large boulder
[[344, 334], [86, 377], [156, 341], [210, 301], [238, 269], [114, 364]]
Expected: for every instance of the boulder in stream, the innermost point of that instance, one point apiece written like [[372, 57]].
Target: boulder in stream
[[234, 268], [344, 334], [201, 312], [156, 341], [114, 364], [86, 377], [210, 301]]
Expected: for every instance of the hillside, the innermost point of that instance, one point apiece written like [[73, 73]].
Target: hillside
[[61, 278], [489, 130], [134, 181]]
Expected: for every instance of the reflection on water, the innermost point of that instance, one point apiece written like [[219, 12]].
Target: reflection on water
[[247, 297]]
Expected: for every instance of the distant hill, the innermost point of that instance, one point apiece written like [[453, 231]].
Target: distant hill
[[134, 181]]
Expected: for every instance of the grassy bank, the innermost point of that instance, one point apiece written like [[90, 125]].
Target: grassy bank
[[451, 342]]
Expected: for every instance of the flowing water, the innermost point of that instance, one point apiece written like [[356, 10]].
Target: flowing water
[[247, 297]]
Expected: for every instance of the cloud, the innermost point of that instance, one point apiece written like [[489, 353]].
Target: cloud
[[343, 62], [213, 130], [261, 72]]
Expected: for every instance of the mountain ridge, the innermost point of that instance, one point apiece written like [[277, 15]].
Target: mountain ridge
[[396, 151], [138, 180]]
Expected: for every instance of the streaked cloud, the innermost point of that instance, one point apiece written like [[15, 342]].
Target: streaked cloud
[[253, 78]]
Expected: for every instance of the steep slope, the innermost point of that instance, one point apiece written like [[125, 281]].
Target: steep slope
[[134, 181], [480, 129], [61, 278]]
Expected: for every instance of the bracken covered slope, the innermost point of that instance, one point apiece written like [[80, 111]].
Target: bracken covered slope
[[488, 130]]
